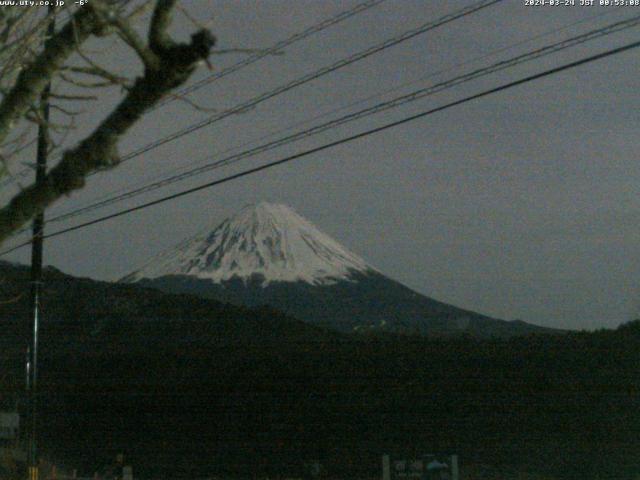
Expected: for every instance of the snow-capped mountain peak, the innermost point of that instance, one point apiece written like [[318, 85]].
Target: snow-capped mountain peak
[[270, 240]]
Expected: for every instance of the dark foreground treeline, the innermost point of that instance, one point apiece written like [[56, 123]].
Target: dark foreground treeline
[[216, 390], [176, 399]]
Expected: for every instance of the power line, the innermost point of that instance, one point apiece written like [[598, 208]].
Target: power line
[[274, 49], [309, 77], [344, 140], [393, 103], [175, 172], [249, 104]]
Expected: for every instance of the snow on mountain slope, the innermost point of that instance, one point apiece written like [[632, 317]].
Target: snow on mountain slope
[[267, 239]]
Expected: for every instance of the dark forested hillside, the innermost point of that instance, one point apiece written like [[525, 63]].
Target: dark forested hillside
[[369, 302], [190, 387]]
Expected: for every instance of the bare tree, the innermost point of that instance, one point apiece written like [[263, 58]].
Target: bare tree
[[27, 68]]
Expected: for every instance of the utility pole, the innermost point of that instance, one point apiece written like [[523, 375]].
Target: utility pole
[[36, 266]]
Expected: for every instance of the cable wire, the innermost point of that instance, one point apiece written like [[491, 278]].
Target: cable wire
[[380, 107], [210, 166], [274, 49], [366, 133], [250, 104]]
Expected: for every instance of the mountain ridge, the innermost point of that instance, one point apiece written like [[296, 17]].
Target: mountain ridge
[[201, 392], [267, 254], [264, 238]]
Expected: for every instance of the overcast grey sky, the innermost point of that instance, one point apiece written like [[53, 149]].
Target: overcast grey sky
[[521, 205]]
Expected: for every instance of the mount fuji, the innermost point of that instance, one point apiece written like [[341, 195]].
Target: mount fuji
[[266, 242], [267, 254]]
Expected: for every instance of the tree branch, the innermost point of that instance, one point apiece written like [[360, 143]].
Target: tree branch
[[129, 35], [99, 150], [32, 80], [159, 39]]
